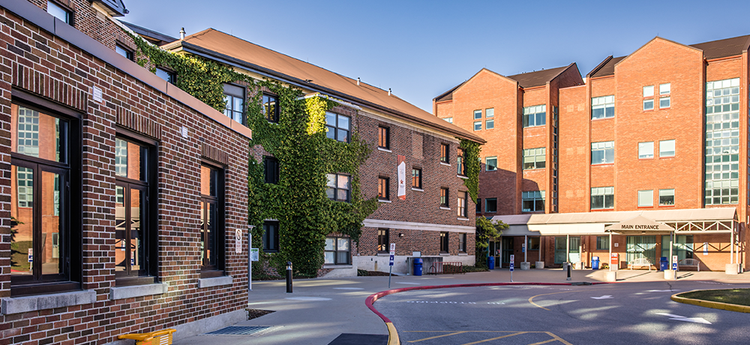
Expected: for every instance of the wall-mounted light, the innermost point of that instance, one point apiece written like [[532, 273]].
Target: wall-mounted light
[[400, 234]]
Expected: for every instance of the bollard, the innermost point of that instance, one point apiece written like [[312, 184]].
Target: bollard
[[568, 271], [288, 277]]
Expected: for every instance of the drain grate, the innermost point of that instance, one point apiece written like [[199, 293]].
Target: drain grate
[[239, 330]]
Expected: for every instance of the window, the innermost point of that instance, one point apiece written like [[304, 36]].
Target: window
[[722, 146], [648, 91], [169, 76], [383, 241], [664, 102], [491, 164], [478, 125], [383, 192], [489, 124], [271, 169], [461, 202], [602, 198], [271, 108], [646, 150], [602, 242], [444, 242], [60, 12], [384, 138], [535, 116], [234, 102], [135, 238], [533, 243], [666, 197], [534, 158], [41, 207], [664, 99], [648, 104], [532, 201], [489, 112], [490, 205], [666, 148], [664, 89], [416, 178], [444, 197], [645, 198], [460, 166], [462, 243], [603, 152], [338, 187], [448, 119], [603, 107], [212, 226], [444, 153], [271, 236], [478, 205], [477, 114], [337, 127], [125, 52], [337, 251]]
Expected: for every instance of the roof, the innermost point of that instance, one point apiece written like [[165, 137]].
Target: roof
[[150, 35], [682, 215], [605, 68], [537, 78], [218, 45], [448, 95], [723, 48]]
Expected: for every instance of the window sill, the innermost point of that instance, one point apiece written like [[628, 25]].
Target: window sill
[[445, 208], [666, 157], [602, 209], [338, 266], [217, 281], [602, 164], [116, 293], [417, 189], [603, 118], [444, 163], [666, 205], [384, 149], [490, 170], [462, 177], [463, 254], [645, 158], [384, 254], [385, 201], [460, 218], [645, 207], [445, 254], [16, 305]]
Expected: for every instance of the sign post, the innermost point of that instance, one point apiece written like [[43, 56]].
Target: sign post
[[675, 259], [512, 261], [390, 263]]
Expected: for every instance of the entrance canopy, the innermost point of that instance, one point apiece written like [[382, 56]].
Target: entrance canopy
[[640, 225]]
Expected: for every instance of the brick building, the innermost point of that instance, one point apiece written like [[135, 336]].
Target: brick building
[[659, 134], [433, 218], [107, 170]]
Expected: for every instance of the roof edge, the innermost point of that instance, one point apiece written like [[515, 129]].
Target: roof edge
[[600, 66]]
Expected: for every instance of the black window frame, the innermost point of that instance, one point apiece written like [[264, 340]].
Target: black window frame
[[271, 236], [416, 178], [336, 251], [486, 205], [232, 93], [383, 241], [71, 241], [209, 270], [384, 137], [478, 205], [602, 242], [148, 274], [445, 197], [460, 166], [462, 238], [170, 73], [129, 53], [462, 203], [444, 153], [70, 14], [336, 188], [334, 128], [444, 242], [274, 115], [271, 169], [384, 186]]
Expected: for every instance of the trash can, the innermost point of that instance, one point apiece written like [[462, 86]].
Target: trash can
[[417, 266], [595, 263], [663, 264], [491, 262]]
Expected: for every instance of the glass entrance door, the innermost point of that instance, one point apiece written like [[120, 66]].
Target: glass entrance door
[[575, 249], [507, 250]]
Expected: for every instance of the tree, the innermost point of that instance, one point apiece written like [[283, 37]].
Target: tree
[[486, 230]]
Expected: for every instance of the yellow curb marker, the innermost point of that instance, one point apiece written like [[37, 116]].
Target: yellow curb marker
[[544, 294], [710, 304], [392, 334]]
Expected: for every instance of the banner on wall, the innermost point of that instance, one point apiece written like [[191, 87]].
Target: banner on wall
[[401, 177]]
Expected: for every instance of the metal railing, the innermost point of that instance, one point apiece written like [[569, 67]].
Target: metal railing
[[446, 268]]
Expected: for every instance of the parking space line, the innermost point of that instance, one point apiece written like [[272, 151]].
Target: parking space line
[[436, 337], [554, 338], [544, 294], [558, 338], [544, 342], [486, 340]]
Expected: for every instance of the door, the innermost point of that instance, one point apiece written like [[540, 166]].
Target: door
[[495, 251], [575, 249], [507, 250]]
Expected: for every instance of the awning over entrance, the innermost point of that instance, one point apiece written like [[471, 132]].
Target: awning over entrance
[[639, 225]]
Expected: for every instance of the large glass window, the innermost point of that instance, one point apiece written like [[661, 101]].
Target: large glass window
[[603, 152], [270, 236], [533, 201], [682, 247], [478, 125], [338, 187], [602, 242], [477, 114], [41, 241], [271, 108], [602, 198], [664, 99], [602, 107], [534, 158], [338, 127], [444, 153], [645, 198], [212, 227], [641, 247], [234, 102], [535, 116], [722, 142], [337, 251]]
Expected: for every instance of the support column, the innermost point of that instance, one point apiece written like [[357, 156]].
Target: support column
[[567, 248], [526, 247], [609, 259]]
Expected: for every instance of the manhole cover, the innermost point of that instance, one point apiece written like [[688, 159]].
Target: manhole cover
[[239, 330]]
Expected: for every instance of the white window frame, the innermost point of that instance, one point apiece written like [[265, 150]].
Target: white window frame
[[666, 193], [665, 89], [648, 91], [665, 102], [668, 153], [536, 156], [646, 150], [489, 124], [646, 198], [477, 125], [534, 197], [477, 114], [487, 163], [530, 113], [489, 112], [603, 192], [604, 103], [448, 119], [604, 146], [648, 104]]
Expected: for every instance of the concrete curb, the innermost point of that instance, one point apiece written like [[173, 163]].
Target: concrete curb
[[393, 333], [710, 304]]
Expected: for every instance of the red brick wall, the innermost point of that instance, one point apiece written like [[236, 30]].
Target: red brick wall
[[574, 158], [60, 72]]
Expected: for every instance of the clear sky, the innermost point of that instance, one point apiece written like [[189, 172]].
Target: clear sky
[[421, 49]]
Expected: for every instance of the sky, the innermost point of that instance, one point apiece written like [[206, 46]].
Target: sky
[[420, 49]]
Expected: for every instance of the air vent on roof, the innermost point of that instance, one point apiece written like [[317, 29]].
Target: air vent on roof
[[357, 81], [182, 33], [389, 91]]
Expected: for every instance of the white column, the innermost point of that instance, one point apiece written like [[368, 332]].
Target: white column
[[567, 248], [609, 259], [540, 248], [671, 246], [731, 246], [526, 247]]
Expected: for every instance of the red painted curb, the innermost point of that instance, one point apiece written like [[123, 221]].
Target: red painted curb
[[374, 297]]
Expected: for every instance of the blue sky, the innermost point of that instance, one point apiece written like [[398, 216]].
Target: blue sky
[[421, 49]]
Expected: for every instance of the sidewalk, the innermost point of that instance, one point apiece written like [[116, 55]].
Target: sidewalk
[[319, 310]]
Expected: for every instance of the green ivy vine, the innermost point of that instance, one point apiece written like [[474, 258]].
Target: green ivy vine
[[473, 166]]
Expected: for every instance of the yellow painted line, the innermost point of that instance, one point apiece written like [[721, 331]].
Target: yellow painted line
[[710, 304], [544, 294], [486, 340], [436, 337], [558, 338], [392, 334], [544, 342]]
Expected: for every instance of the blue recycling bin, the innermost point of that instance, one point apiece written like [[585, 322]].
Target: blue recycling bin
[[595, 263], [417, 266], [491, 262], [663, 264]]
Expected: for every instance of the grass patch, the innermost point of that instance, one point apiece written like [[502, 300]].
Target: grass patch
[[731, 296]]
